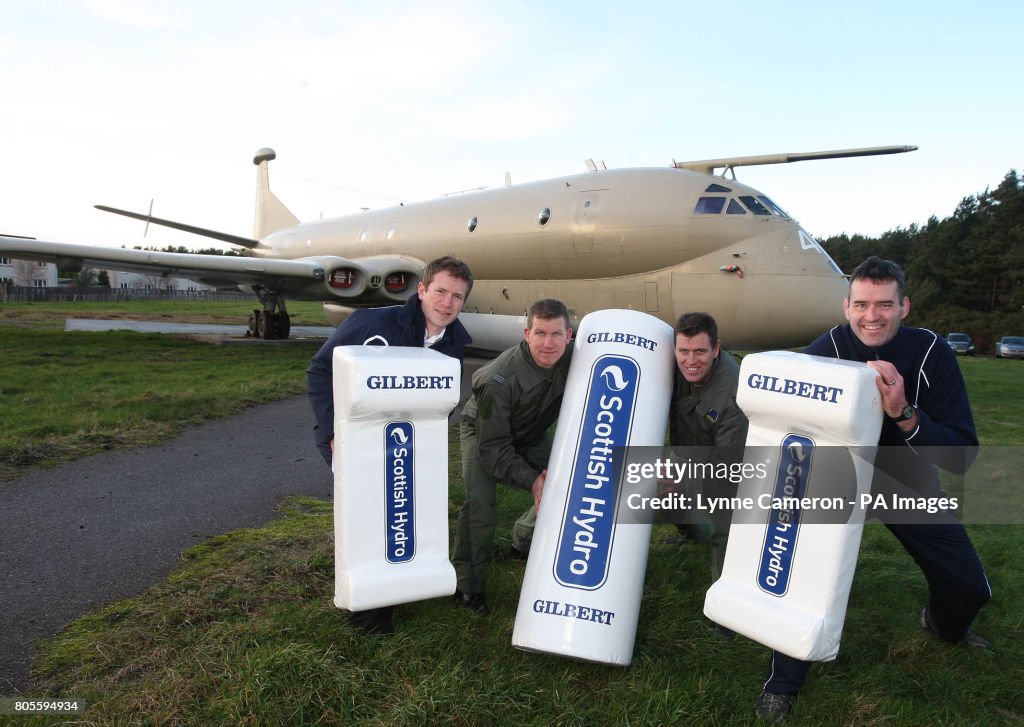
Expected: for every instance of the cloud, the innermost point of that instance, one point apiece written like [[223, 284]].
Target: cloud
[[152, 14], [524, 116]]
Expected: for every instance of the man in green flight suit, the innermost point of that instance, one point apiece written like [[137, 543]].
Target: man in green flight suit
[[705, 423], [504, 438]]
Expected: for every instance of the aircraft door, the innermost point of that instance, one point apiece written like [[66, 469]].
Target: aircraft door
[[583, 222]]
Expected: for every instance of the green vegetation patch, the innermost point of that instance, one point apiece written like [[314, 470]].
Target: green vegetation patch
[[996, 389], [53, 314], [245, 632], [66, 395]]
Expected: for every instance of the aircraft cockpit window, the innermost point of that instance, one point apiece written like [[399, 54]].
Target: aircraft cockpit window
[[717, 188], [544, 216], [472, 224], [709, 205], [734, 208], [774, 207], [754, 206]]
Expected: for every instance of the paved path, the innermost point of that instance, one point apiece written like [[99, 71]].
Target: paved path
[[111, 525]]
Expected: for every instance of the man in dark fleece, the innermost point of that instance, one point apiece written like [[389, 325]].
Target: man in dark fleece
[[928, 424]]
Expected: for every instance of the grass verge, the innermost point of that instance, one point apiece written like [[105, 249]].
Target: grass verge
[[244, 632], [66, 395], [52, 315]]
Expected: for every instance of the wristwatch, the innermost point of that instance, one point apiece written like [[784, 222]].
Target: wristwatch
[[907, 413]]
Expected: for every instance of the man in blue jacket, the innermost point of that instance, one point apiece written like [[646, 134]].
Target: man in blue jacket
[[429, 319], [928, 424]]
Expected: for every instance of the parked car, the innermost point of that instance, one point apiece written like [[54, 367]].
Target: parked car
[[1010, 347], [961, 344]]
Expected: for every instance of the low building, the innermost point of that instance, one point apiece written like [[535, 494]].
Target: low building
[[120, 280], [28, 273]]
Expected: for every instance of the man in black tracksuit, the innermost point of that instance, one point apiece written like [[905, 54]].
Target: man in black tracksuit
[[927, 424]]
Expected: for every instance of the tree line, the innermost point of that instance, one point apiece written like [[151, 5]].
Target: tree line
[[965, 272]]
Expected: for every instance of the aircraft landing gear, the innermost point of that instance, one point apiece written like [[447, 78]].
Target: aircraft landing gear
[[273, 322], [269, 325]]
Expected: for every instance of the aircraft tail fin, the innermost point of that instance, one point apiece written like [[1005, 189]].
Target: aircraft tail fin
[[271, 214]]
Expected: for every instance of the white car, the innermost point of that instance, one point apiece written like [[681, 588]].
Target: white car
[[1010, 347]]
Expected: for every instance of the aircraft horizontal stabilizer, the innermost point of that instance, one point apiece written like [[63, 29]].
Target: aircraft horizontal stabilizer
[[222, 236], [708, 166]]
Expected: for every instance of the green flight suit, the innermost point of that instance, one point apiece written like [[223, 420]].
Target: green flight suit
[[706, 422], [503, 437]]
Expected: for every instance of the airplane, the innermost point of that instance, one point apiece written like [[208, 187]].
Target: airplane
[[660, 240]]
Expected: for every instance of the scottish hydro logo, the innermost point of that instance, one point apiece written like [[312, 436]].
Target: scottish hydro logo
[[780, 539], [588, 525], [399, 449]]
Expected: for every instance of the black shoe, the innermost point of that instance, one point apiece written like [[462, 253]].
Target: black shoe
[[475, 602], [773, 707], [725, 632], [518, 554], [970, 638], [374, 622]]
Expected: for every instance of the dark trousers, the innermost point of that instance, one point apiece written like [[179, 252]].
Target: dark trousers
[[957, 589], [478, 518]]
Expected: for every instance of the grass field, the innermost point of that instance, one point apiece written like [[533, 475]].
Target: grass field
[[244, 632], [52, 315]]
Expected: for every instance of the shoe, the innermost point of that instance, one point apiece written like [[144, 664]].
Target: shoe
[[773, 707], [725, 632], [976, 642], [518, 554], [970, 638], [475, 602], [374, 622]]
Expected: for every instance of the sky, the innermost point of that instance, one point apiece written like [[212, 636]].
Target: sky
[[368, 103]]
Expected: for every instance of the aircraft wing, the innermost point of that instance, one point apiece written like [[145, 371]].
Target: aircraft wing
[[367, 281], [221, 270]]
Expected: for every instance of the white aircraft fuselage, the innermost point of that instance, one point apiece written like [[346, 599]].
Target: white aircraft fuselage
[[660, 240], [626, 238]]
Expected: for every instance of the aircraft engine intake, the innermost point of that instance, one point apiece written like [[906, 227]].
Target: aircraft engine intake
[[366, 282]]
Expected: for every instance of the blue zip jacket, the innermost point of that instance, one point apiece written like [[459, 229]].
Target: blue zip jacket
[[399, 325]]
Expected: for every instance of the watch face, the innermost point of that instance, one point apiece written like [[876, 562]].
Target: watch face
[[908, 411]]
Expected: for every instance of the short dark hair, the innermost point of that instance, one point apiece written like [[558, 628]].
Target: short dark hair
[[879, 270], [449, 264], [546, 309], [690, 324]]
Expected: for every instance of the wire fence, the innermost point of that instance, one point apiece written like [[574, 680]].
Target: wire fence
[[31, 294]]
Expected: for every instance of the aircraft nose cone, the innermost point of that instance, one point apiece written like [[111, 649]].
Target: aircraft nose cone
[[790, 291]]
